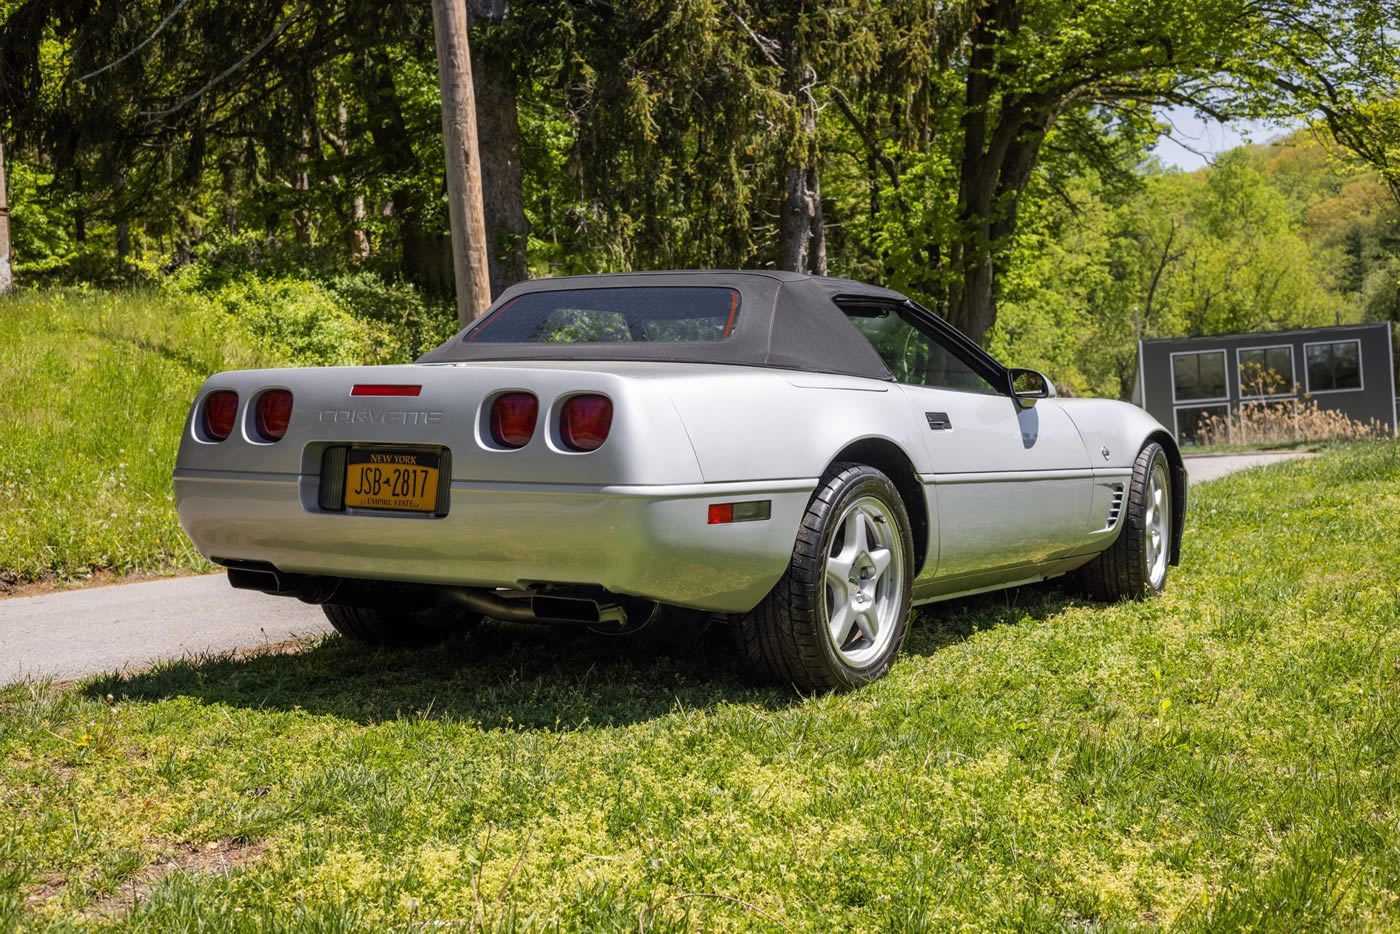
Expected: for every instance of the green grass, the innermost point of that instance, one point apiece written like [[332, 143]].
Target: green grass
[[1226, 756], [94, 389]]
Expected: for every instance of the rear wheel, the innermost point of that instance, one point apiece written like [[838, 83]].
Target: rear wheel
[[838, 616], [398, 628], [1135, 565]]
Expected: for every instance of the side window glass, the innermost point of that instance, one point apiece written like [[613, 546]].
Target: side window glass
[[913, 357]]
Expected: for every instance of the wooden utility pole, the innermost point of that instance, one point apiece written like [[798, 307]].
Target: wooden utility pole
[[7, 278], [469, 249]]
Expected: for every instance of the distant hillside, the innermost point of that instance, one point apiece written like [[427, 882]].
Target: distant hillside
[[1283, 234]]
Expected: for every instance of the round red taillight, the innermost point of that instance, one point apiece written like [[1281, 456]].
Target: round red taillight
[[220, 408], [585, 422], [274, 411], [513, 417]]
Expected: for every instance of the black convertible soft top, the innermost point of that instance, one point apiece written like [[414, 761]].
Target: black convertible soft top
[[785, 319]]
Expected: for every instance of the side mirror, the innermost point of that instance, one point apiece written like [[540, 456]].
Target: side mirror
[[1029, 385]]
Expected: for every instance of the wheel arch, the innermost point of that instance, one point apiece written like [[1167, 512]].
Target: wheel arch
[[1178, 472], [889, 458]]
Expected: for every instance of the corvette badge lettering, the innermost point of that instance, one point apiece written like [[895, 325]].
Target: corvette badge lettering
[[380, 417]]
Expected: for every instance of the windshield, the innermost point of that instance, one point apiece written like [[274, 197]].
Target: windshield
[[611, 316]]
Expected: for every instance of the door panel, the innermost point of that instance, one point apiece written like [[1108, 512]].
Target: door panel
[[1014, 485]]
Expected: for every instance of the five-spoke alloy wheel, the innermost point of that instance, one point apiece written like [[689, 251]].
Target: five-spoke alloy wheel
[[838, 616], [1158, 523], [1135, 565], [864, 573]]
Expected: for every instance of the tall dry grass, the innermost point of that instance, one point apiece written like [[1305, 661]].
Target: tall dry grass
[[1285, 420]]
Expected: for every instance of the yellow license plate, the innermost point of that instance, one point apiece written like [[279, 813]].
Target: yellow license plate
[[406, 481]]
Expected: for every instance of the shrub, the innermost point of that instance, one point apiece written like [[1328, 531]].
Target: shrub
[[408, 323], [295, 319], [392, 321]]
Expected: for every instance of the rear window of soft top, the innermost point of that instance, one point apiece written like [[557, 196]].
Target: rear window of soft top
[[633, 314]]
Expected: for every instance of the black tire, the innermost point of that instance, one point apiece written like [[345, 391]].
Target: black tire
[[398, 628], [786, 637], [1122, 572]]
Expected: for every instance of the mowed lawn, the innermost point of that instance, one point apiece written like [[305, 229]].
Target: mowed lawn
[[94, 390], [1224, 757]]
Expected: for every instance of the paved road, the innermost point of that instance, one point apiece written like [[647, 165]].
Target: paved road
[[73, 633], [68, 634], [1203, 467]]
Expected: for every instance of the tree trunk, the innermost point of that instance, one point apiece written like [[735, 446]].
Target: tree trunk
[[503, 203], [420, 253], [301, 183], [7, 278], [991, 123], [975, 311], [469, 249], [801, 207], [123, 229], [356, 240], [228, 168], [818, 245], [795, 222], [80, 211]]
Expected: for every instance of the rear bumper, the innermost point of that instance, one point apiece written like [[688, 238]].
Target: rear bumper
[[645, 541]]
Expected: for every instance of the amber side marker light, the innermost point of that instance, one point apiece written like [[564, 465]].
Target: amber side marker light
[[751, 511], [384, 389]]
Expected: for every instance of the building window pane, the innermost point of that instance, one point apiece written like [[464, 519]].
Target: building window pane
[[1201, 424], [1266, 371], [1199, 375], [1334, 366]]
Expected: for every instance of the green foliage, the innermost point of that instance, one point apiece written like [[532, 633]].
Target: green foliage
[[1255, 242], [97, 386], [38, 226], [403, 323], [984, 157], [1222, 757], [295, 319], [337, 313]]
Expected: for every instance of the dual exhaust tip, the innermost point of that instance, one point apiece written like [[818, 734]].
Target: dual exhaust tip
[[505, 605]]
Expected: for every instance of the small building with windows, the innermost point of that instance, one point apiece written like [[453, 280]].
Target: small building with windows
[[1185, 382]]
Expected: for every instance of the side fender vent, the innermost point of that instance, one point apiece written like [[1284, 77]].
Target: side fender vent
[[1115, 506]]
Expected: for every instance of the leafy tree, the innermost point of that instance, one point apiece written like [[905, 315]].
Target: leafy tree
[[1027, 68]]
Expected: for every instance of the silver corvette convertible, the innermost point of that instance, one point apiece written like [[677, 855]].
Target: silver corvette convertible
[[803, 458]]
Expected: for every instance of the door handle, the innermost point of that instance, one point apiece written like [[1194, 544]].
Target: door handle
[[939, 421]]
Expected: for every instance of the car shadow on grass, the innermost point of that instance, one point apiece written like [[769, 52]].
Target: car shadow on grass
[[500, 675], [936, 626], [514, 676]]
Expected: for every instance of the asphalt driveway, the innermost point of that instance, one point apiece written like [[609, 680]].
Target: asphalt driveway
[[72, 633], [1203, 467]]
